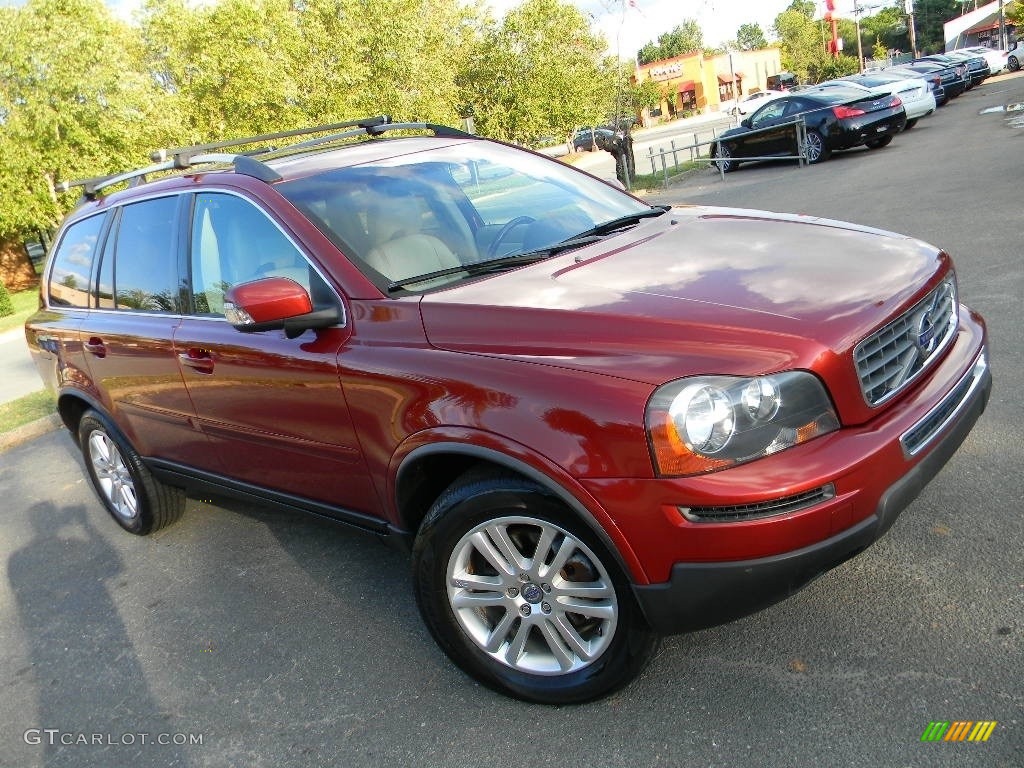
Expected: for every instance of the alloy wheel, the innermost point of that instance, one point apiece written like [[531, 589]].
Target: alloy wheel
[[814, 147], [112, 476], [532, 596]]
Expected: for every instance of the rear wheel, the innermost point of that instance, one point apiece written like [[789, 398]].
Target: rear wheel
[[726, 162], [1013, 64], [879, 143], [523, 596], [815, 148], [139, 503]]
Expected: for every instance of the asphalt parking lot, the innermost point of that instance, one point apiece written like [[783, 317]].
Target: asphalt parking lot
[[243, 637]]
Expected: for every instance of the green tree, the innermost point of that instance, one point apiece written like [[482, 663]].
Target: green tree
[[888, 25], [6, 308], [1015, 13], [878, 50], [805, 8], [685, 38], [800, 42], [539, 72], [929, 16], [229, 67], [830, 67], [74, 101], [750, 37]]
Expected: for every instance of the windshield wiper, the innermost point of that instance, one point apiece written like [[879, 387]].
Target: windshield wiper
[[529, 257], [625, 221], [500, 264]]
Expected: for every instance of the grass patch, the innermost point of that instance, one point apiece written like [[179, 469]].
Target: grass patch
[[657, 180], [26, 409], [24, 303]]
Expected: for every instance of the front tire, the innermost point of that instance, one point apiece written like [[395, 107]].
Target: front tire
[[139, 502], [725, 162], [910, 124], [1013, 63], [879, 143], [524, 597], [816, 149]]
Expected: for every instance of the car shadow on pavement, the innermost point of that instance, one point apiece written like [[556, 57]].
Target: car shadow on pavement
[[94, 704]]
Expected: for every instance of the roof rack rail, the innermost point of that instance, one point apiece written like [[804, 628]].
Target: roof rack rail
[[443, 131], [91, 187], [181, 158], [379, 128]]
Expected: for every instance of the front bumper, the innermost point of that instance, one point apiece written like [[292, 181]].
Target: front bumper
[[704, 594]]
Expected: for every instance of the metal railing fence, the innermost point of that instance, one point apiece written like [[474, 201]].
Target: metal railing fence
[[698, 155]]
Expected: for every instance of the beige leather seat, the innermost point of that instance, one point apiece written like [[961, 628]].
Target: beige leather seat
[[399, 249]]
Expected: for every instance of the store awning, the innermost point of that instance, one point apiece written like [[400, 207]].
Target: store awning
[[729, 78], [686, 85]]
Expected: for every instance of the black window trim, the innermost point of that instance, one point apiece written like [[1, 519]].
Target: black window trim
[[55, 251], [186, 249], [185, 211]]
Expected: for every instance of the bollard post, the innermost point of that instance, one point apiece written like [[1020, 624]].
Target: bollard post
[[675, 160], [654, 169]]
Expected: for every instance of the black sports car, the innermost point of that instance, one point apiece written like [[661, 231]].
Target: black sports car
[[836, 118]]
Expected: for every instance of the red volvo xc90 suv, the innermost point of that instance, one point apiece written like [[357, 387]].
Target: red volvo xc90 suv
[[592, 421]]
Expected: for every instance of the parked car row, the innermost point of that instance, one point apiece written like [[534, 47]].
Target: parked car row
[[866, 109]]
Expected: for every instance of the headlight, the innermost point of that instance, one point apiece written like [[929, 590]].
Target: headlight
[[706, 423]]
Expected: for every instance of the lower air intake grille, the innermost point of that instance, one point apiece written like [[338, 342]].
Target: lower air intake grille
[[743, 512]]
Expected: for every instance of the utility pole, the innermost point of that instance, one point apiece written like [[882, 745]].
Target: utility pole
[[1002, 28], [909, 7], [860, 50]]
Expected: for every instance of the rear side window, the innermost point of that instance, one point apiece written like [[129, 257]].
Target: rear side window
[[145, 273], [72, 264]]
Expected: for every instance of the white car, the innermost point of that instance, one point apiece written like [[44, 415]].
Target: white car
[[753, 101], [1015, 57], [918, 99], [997, 60]]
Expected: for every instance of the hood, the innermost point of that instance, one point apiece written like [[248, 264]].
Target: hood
[[698, 290]]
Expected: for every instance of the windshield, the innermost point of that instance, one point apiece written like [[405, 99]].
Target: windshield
[[455, 206]]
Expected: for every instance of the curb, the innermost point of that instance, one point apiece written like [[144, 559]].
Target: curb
[[29, 431]]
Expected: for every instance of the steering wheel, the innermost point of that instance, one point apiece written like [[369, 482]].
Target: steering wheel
[[492, 249]]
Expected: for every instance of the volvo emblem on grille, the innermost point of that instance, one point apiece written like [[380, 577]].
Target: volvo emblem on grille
[[926, 335]]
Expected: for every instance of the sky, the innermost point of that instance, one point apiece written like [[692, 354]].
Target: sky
[[644, 20]]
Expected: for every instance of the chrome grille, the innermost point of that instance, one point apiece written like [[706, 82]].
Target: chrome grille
[[893, 356]]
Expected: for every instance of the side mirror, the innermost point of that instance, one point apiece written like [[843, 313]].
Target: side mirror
[[275, 303], [746, 122]]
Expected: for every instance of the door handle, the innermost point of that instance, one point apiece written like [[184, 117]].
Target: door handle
[[96, 346], [199, 360]]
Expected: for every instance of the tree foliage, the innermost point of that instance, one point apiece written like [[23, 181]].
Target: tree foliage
[[750, 37], [929, 16], [539, 72], [74, 101], [1015, 13], [6, 308], [83, 94], [685, 38], [800, 42]]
